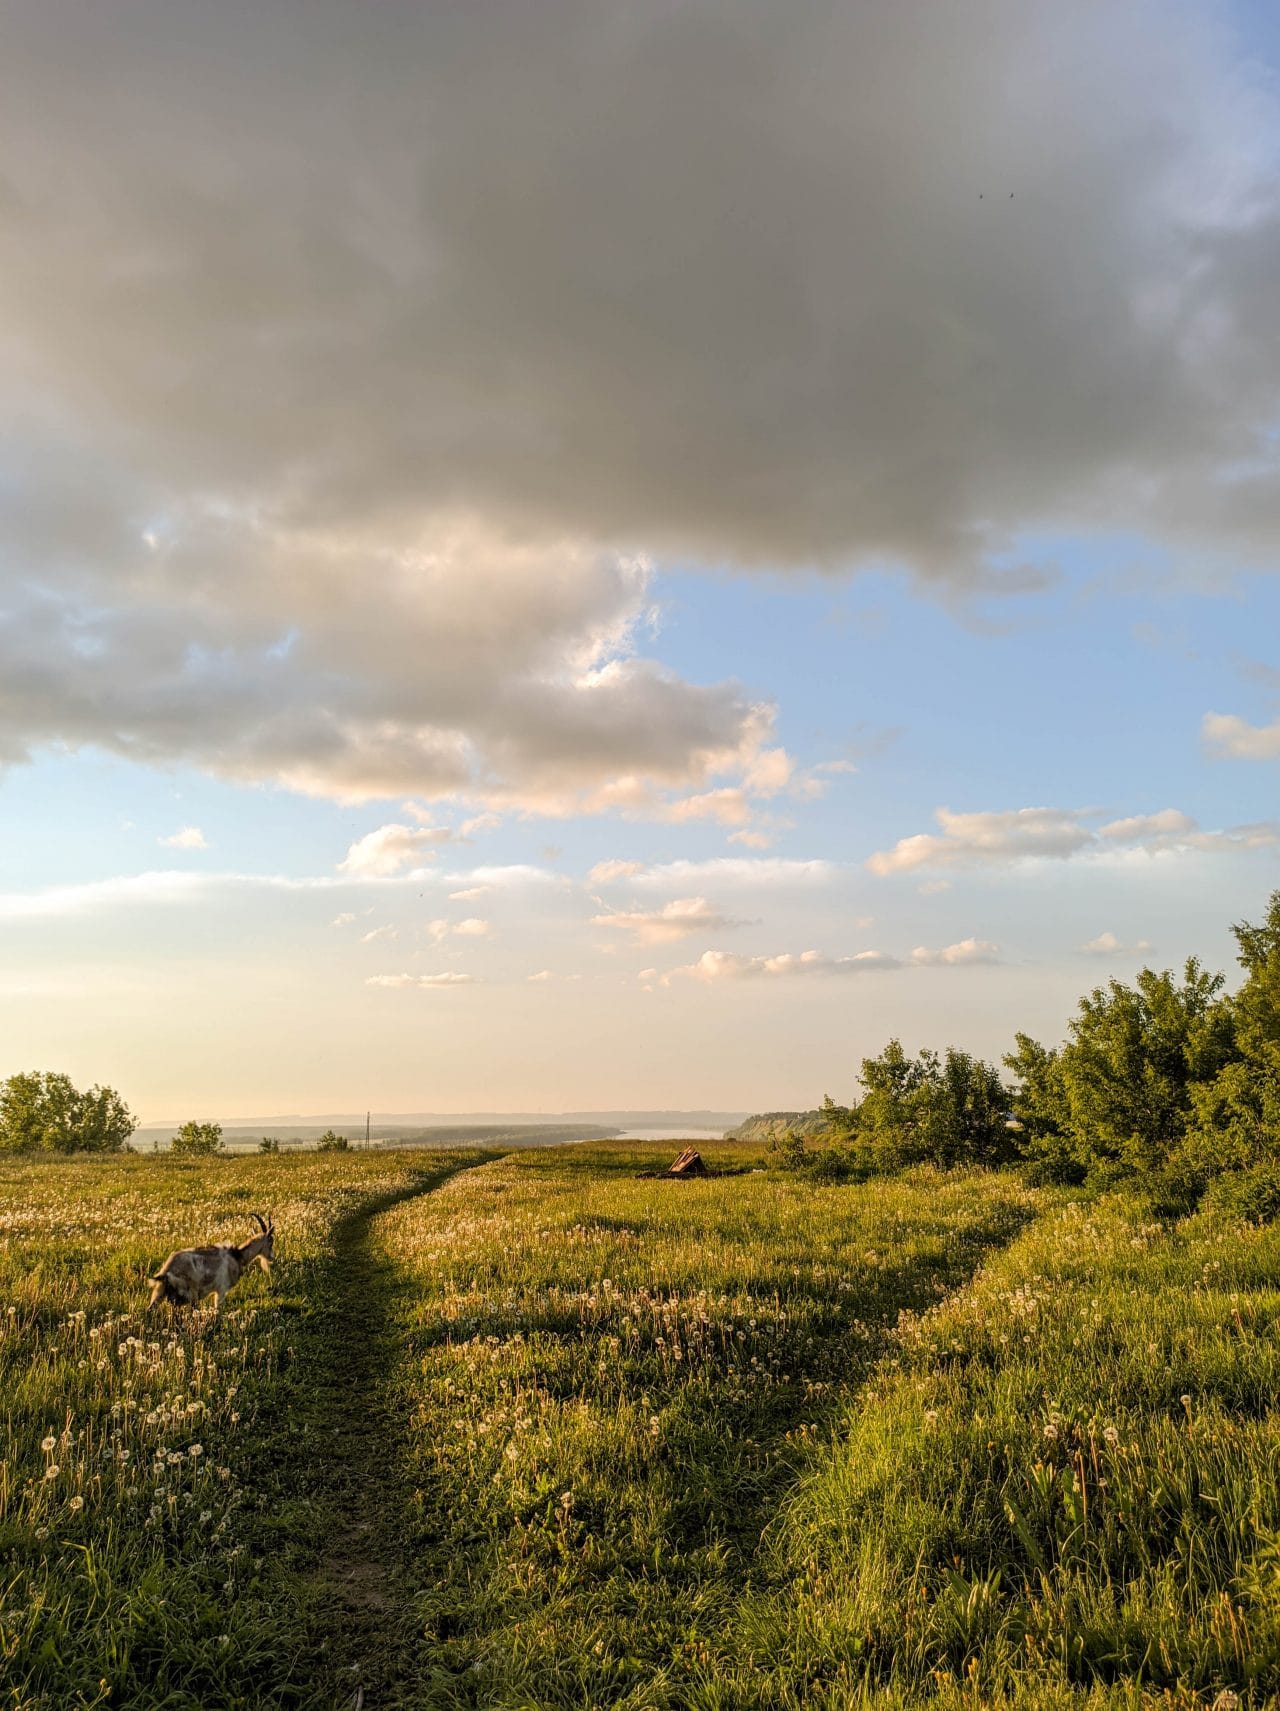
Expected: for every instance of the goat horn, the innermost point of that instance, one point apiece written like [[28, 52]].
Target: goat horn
[[257, 1218]]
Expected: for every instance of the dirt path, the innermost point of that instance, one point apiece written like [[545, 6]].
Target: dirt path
[[364, 1626]]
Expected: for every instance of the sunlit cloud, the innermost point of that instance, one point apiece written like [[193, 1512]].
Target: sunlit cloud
[[386, 851], [675, 920], [1234, 737], [187, 838], [1108, 944], [1058, 834]]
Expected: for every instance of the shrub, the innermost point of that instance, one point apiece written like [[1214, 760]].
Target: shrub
[[332, 1142], [1247, 1196], [197, 1140]]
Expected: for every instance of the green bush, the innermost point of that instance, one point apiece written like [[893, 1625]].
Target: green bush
[[1176, 1189], [197, 1140], [1247, 1196]]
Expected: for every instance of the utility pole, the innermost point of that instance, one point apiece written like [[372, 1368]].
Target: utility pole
[[367, 1115]]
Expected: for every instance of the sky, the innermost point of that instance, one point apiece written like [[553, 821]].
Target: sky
[[622, 554]]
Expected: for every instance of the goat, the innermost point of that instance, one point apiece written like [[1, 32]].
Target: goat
[[190, 1274]]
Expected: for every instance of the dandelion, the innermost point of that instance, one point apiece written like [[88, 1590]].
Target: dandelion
[[47, 1444], [76, 1504], [52, 1471], [1111, 1435], [196, 1450]]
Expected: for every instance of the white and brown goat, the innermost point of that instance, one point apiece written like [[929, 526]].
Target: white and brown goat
[[190, 1274]]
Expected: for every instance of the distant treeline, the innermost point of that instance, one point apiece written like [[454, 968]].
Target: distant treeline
[[43, 1112], [1170, 1080]]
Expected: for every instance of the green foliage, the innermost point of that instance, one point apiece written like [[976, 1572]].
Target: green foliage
[[43, 1112], [197, 1140], [268, 1144], [1237, 1112], [1133, 1059], [950, 1110], [331, 1142], [1249, 1196], [1042, 1113]]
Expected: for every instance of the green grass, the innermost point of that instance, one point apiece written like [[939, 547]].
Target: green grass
[[540, 1433], [611, 1384], [164, 1501]]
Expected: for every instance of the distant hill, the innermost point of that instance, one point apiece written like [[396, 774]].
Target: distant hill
[[385, 1121], [781, 1126], [245, 1138]]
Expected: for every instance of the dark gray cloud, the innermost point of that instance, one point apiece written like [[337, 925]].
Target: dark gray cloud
[[296, 299]]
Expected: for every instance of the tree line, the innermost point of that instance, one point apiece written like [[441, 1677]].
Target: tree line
[[43, 1112], [1170, 1079]]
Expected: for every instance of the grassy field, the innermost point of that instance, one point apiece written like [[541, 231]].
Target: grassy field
[[535, 1432]]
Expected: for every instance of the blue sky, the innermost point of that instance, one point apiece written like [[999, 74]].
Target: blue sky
[[496, 612]]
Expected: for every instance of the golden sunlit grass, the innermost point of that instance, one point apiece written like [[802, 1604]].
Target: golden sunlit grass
[[543, 1434]]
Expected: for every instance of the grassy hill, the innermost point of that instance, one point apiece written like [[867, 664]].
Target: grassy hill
[[778, 1126], [533, 1431]]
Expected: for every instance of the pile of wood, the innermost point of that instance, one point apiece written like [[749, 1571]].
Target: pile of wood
[[689, 1164]]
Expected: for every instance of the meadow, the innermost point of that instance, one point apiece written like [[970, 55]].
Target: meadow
[[539, 1431]]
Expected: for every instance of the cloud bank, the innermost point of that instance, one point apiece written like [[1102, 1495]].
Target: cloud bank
[[1057, 834], [356, 361]]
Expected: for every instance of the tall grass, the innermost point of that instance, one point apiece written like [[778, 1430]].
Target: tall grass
[[741, 1444], [146, 1462], [1066, 1478], [609, 1384]]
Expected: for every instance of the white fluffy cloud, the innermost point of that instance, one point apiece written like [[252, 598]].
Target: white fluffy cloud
[[724, 965], [1108, 944], [385, 852], [187, 838], [678, 919], [1235, 737], [965, 951], [472, 928], [345, 390], [997, 838], [713, 966], [604, 872]]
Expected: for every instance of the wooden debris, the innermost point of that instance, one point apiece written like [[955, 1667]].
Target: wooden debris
[[689, 1163]]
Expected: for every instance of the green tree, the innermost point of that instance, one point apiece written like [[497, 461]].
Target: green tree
[[42, 1111], [1130, 1069], [331, 1142], [268, 1144], [197, 1140], [1237, 1111], [1042, 1111], [945, 1110]]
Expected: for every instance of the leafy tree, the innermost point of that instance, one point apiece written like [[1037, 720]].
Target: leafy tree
[[1042, 1111], [1237, 1112], [44, 1112], [942, 1110], [331, 1142], [197, 1140], [1130, 1068], [268, 1144]]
